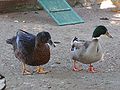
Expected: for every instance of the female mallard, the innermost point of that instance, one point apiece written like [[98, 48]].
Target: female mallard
[[88, 52], [31, 50]]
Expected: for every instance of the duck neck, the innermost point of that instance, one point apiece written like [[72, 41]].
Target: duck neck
[[38, 45], [95, 41], [95, 38], [93, 46]]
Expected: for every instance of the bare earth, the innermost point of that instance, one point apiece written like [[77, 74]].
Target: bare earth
[[61, 76]]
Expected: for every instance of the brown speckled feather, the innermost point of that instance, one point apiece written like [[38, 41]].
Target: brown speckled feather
[[31, 50]]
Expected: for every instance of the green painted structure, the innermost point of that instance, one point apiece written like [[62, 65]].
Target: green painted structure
[[61, 12]]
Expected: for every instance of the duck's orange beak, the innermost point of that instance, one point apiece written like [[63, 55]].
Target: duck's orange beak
[[110, 36]]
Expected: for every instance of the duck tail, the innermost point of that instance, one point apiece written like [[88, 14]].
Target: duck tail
[[74, 39], [1, 76], [2, 82], [11, 40]]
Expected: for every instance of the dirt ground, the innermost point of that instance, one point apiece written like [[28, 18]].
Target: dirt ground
[[61, 76]]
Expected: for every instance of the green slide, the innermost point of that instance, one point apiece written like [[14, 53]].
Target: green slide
[[61, 12]]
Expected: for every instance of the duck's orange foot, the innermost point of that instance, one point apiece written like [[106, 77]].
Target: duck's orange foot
[[76, 69], [41, 70], [91, 69], [26, 72]]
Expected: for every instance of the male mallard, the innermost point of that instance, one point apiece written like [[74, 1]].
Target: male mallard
[[31, 50], [88, 52], [2, 82]]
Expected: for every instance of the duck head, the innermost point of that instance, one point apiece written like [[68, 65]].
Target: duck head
[[44, 37], [101, 30]]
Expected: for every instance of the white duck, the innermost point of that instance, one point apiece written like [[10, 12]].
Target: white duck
[[2, 82], [88, 52]]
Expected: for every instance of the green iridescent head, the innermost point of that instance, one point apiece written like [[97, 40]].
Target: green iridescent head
[[100, 30]]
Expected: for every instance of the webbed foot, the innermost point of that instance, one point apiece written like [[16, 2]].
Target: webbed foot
[[91, 69], [41, 70]]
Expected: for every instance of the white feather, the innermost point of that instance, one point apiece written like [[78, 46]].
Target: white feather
[[2, 83]]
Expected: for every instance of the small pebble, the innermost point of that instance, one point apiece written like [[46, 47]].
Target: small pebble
[[58, 62], [16, 21], [24, 21]]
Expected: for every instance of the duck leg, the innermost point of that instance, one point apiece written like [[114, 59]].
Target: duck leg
[[91, 69], [41, 70], [24, 70], [75, 68]]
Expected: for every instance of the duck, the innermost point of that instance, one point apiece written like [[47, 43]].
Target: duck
[[88, 52], [32, 50], [2, 82]]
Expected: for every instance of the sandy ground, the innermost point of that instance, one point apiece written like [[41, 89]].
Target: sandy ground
[[61, 76]]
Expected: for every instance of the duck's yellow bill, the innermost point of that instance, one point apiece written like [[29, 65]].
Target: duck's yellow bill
[[110, 36]]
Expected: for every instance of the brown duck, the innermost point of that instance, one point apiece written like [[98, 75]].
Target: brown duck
[[32, 50]]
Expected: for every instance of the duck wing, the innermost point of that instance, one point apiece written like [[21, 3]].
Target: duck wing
[[86, 44], [78, 48], [80, 44], [25, 42]]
